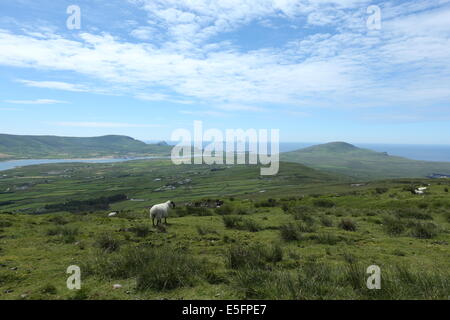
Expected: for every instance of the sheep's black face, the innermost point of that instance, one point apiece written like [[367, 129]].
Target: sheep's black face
[[172, 204]]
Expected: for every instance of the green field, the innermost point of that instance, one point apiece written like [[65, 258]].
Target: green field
[[302, 234]]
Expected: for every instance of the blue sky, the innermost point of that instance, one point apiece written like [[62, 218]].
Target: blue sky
[[312, 69]]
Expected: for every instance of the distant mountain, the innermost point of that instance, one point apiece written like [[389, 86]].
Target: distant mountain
[[344, 158], [16, 146]]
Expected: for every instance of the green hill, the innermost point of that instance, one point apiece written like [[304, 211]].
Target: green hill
[[15, 146], [344, 158]]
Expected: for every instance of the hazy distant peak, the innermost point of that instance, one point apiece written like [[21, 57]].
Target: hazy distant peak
[[162, 143], [333, 147]]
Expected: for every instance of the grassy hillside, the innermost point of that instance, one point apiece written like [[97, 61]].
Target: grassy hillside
[[30, 188], [14, 146], [309, 235], [364, 164]]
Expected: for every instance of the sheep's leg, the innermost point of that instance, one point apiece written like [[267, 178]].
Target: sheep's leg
[[153, 221], [165, 220]]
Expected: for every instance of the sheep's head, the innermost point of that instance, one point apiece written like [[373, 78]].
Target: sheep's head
[[171, 204]]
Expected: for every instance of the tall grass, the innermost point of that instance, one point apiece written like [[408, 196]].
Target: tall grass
[[154, 268], [107, 243], [316, 280], [204, 230], [66, 233], [254, 256], [393, 226], [239, 223]]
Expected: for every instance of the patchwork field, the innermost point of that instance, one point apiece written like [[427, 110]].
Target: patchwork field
[[303, 234]]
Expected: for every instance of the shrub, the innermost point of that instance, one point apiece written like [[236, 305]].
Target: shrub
[[48, 289], [410, 189], [225, 209], [67, 233], [107, 243], [327, 238], [399, 253], [305, 217], [202, 230], [424, 230], [237, 222], [422, 205], [303, 227], [381, 190], [269, 203], [232, 222], [355, 274], [393, 226], [81, 294], [274, 253], [242, 211], [5, 224], [348, 225], [180, 211], [290, 232], [324, 203], [141, 230], [413, 213], [326, 221], [251, 225], [198, 211], [59, 220]]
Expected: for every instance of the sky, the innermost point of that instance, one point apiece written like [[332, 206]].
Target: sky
[[324, 70]]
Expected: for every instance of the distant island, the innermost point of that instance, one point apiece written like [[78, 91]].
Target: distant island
[[364, 164]]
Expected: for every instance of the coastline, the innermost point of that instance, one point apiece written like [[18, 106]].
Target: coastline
[[111, 157], [24, 162]]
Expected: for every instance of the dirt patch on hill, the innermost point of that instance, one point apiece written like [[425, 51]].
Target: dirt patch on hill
[[4, 155]]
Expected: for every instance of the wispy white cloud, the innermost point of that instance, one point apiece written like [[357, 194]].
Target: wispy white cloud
[[36, 101], [205, 113], [161, 97], [405, 62], [54, 85], [104, 125], [239, 107]]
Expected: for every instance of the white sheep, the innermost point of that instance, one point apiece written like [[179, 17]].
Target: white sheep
[[160, 211]]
